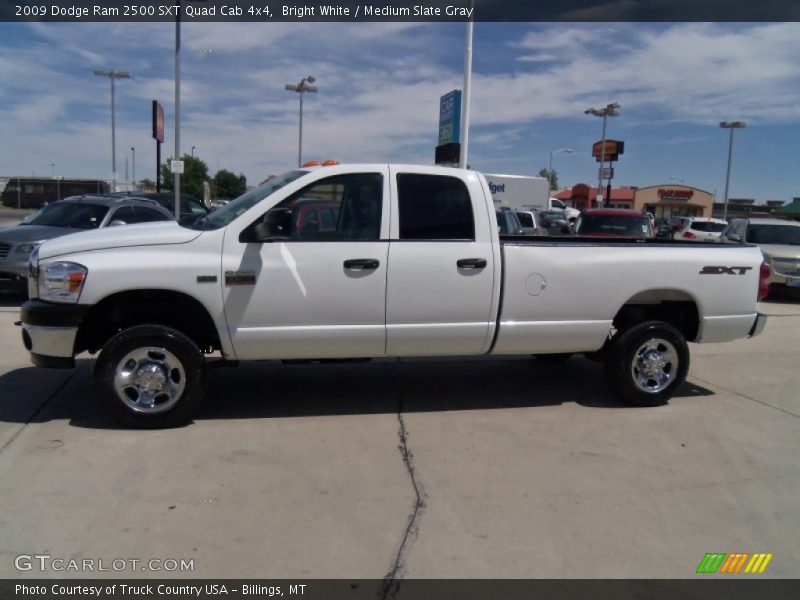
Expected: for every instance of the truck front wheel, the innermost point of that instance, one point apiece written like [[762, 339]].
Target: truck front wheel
[[150, 376], [646, 364]]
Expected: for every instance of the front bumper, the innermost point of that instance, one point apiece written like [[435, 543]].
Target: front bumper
[[49, 331], [758, 325]]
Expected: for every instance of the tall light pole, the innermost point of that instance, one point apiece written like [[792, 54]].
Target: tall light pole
[[550, 168], [729, 125], [112, 76], [192, 153], [610, 110], [53, 165], [301, 88], [463, 156], [133, 161]]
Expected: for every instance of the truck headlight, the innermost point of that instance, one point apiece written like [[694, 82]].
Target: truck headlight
[[61, 281]]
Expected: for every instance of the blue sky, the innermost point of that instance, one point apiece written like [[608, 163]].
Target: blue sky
[[379, 87]]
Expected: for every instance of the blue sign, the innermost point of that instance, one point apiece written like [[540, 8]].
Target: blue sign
[[450, 118]]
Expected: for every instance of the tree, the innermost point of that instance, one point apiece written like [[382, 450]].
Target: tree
[[229, 185], [147, 184], [552, 176], [195, 172]]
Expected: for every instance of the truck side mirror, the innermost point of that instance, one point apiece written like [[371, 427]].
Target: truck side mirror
[[276, 224]]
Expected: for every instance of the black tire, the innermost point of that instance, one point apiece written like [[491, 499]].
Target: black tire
[[646, 364], [554, 358], [153, 355]]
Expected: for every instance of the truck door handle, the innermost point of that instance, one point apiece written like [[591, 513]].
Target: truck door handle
[[361, 264], [471, 263]]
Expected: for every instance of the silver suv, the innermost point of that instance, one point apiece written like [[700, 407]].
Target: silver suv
[[779, 241], [66, 216]]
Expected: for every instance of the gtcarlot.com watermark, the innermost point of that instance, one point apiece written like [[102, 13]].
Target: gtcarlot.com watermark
[[47, 563]]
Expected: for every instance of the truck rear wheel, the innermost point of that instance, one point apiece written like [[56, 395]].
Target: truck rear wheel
[[150, 376], [646, 364]]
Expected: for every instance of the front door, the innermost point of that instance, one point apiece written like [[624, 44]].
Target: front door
[[319, 292]]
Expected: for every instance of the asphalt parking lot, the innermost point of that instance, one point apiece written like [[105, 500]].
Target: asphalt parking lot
[[462, 468]]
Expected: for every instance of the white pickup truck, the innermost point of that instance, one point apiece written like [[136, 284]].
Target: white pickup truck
[[362, 261]]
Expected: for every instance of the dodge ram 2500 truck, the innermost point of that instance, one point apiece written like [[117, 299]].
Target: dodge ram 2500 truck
[[392, 261]]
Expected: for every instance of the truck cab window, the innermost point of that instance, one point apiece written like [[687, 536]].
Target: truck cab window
[[434, 207], [351, 207]]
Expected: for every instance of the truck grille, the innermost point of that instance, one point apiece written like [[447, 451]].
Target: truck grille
[[4, 248]]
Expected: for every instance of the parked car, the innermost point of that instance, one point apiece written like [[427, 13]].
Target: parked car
[[613, 222], [779, 241], [63, 217], [667, 227], [531, 222], [557, 222], [191, 207], [508, 223], [313, 215], [700, 229]]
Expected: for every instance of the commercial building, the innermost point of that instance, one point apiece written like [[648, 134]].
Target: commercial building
[[663, 201]]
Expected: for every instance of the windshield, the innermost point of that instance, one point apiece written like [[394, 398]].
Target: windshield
[[235, 208], [774, 234], [614, 225], [70, 214]]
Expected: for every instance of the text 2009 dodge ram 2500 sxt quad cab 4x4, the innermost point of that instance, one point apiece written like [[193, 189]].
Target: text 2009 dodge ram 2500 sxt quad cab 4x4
[[394, 261]]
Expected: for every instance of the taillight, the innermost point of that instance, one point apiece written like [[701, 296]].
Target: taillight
[[763, 280], [688, 235]]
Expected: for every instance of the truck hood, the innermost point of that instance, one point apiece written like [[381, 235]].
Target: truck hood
[[144, 234], [781, 250], [26, 234]]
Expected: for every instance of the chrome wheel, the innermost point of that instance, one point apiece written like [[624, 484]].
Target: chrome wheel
[[655, 365], [149, 379]]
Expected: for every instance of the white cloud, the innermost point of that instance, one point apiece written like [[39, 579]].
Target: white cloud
[[379, 86]]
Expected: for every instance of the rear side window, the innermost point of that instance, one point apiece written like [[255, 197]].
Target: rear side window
[[708, 226], [434, 207], [147, 215], [526, 219]]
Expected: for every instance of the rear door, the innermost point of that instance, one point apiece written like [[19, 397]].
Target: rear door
[[443, 280]]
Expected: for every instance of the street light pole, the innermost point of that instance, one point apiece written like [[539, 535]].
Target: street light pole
[[550, 167], [463, 157], [729, 125], [113, 75], [133, 163], [53, 165], [613, 111], [177, 176], [192, 153], [301, 88]]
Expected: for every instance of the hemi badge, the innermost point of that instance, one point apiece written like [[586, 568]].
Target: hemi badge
[[240, 278], [206, 279]]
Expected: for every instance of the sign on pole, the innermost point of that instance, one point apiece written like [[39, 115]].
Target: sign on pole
[[450, 118], [613, 149], [158, 122]]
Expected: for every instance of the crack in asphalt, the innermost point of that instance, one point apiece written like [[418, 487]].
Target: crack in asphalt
[[391, 581], [746, 397], [41, 407]]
